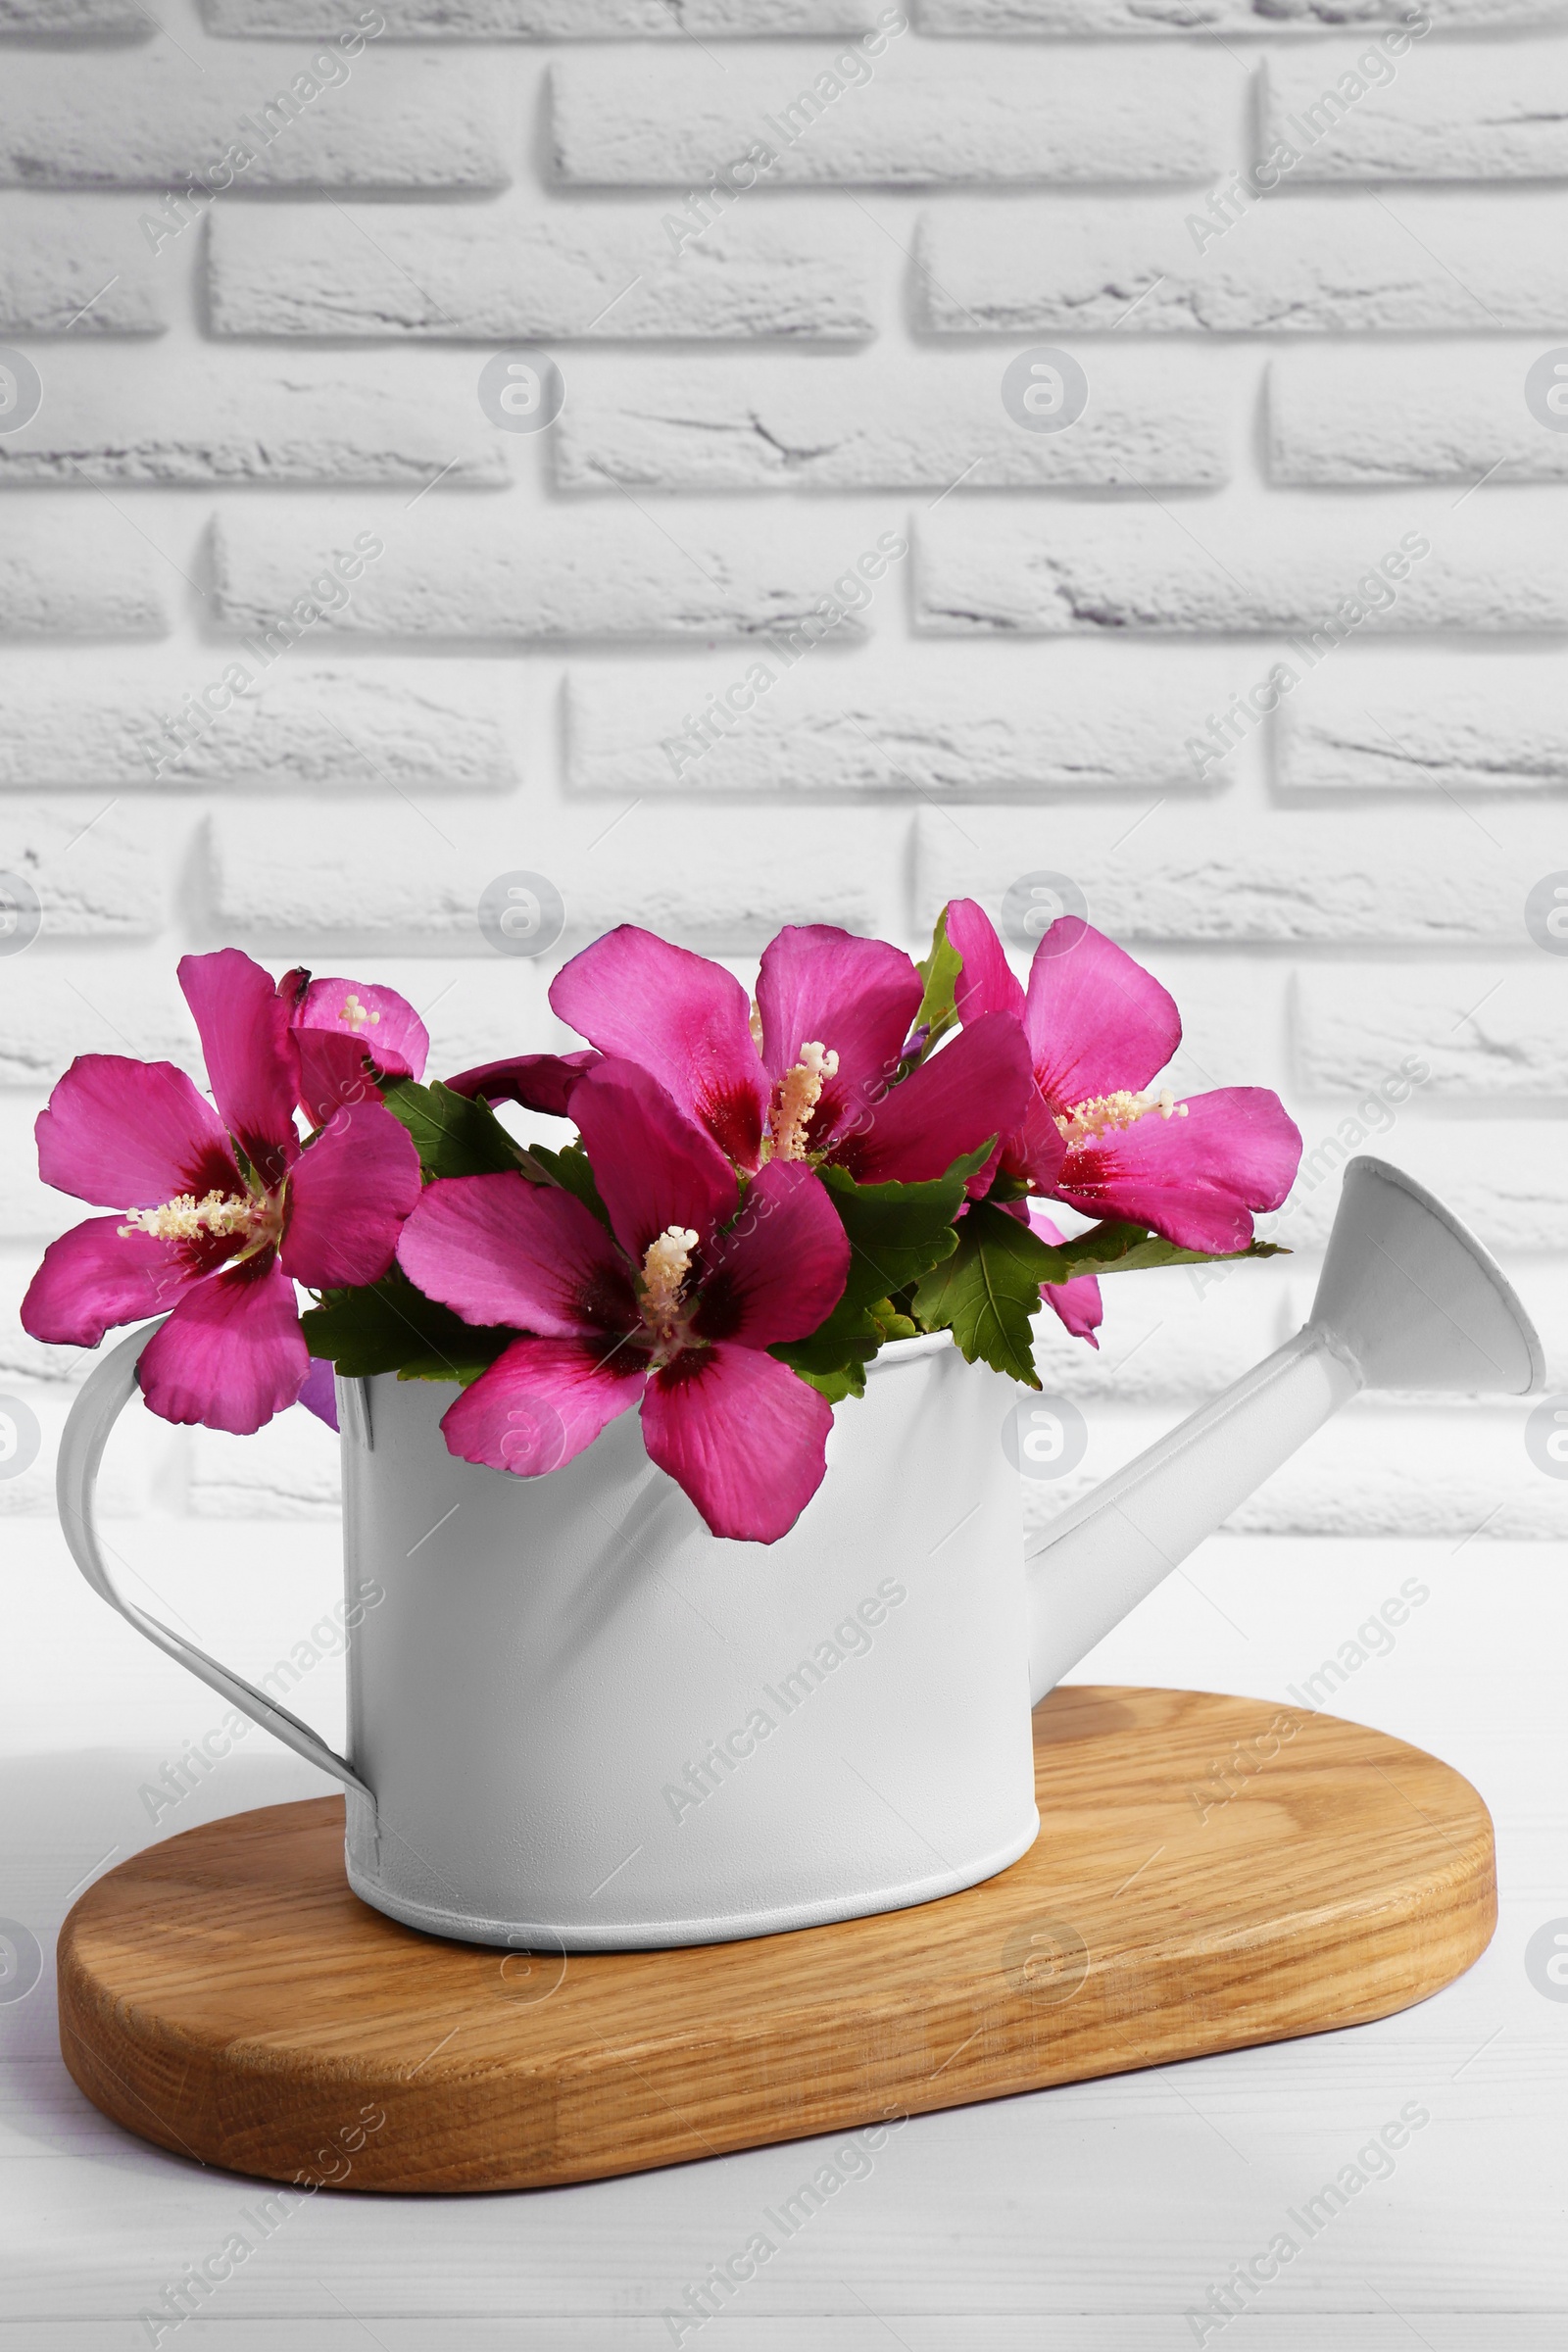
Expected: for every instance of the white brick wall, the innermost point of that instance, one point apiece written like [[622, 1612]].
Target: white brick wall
[[259, 259], [521, 268]]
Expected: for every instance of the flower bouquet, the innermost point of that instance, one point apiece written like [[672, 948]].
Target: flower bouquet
[[757, 1196]]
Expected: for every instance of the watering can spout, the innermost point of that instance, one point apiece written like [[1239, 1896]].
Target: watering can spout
[[1407, 1300]]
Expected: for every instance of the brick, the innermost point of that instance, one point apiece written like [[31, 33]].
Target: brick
[[1485, 1030], [1455, 1471], [886, 421], [547, 20], [288, 1470], [1508, 1179], [1462, 113], [1291, 265], [122, 1483], [1162, 1339], [52, 18], [1426, 725], [611, 273], [467, 1004], [1280, 876], [58, 1007], [1231, 1035], [1379, 1471], [129, 1003], [983, 570], [45, 1377], [401, 887], [115, 120], [1441, 415], [75, 573], [96, 869], [1098, 18], [29, 1211], [916, 118], [230, 421], [974, 729], [67, 269], [617, 574], [24, 1360], [330, 731]]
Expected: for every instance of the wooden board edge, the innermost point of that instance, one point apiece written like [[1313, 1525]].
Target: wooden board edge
[[1374, 1942]]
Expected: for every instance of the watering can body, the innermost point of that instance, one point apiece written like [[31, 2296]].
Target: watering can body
[[578, 1720]]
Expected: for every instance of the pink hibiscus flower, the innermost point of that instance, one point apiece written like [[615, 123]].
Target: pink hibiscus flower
[[346, 1036], [1098, 1028], [818, 1078], [222, 1211], [674, 1309]]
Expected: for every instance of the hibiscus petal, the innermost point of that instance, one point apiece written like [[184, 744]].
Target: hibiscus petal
[[1036, 1149], [742, 1434], [499, 1249], [1095, 1020], [857, 997], [231, 1354], [986, 982], [538, 1081], [320, 1393], [334, 1074], [684, 1020], [131, 1135], [779, 1270], [541, 1403], [1194, 1179], [1077, 1304], [91, 1278], [251, 1062], [348, 1195], [975, 1087], [384, 1023], [654, 1168]]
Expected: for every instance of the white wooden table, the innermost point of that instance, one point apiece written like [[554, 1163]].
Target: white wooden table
[[1087, 2218]]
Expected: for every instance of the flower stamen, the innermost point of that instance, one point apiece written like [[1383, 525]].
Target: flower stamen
[[1108, 1114], [667, 1262], [357, 1014], [187, 1219], [800, 1091]]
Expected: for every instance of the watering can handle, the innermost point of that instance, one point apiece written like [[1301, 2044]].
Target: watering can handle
[[98, 1407]]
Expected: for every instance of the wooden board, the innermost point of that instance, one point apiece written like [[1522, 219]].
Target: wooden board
[[224, 1995]]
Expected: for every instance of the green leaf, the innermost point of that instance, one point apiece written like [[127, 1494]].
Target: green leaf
[[835, 1357], [892, 1323], [897, 1231], [391, 1327], [826, 1350], [845, 1381], [987, 1291], [569, 1169], [456, 1137], [940, 972], [1117, 1248]]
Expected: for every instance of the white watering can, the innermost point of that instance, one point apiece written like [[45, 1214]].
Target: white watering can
[[577, 1721]]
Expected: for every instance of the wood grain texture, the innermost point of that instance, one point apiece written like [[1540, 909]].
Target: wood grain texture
[[224, 1995]]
